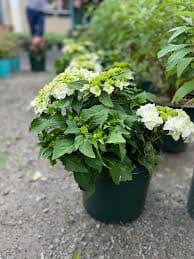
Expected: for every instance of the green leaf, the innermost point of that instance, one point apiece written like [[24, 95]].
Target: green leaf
[[115, 136], [74, 164], [120, 171], [98, 114], [182, 65], [122, 150], [177, 57], [85, 182], [106, 100], [2, 159], [87, 149], [45, 152], [72, 128], [78, 84], [177, 31], [42, 123], [185, 89], [79, 140], [171, 48], [62, 146], [94, 163]]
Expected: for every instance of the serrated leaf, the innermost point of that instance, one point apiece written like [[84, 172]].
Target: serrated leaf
[[45, 152], [171, 48], [62, 146], [74, 163], [98, 114], [106, 100], [79, 140], [182, 65], [42, 123], [120, 171], [85, 182], [72, 128], [115, 136], [184, 90], [87, 149]]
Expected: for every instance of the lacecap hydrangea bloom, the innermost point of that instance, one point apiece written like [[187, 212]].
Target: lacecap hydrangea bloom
[[175, 121], [62, 86]]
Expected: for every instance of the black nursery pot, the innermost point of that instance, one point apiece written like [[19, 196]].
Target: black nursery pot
[[37, 62], [168, 144], [122, 203], [190, 204], [190, 112]]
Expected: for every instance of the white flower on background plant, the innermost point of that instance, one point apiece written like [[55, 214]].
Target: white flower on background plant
[[108, 88], [179, 125], [149, 116], [95, 90]]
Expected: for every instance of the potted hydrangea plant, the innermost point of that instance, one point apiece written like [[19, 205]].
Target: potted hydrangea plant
[[103, 130], [37, 54]]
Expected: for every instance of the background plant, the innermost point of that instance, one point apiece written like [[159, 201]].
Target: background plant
[[180, 61], [137, 29]]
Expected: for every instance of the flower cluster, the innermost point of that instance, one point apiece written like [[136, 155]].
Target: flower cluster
[[88, 61], [62, 87], [175, 121], [70, 46], [108, 81]]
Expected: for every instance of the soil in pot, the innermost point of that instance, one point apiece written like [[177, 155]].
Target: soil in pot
[[168, 144], [122, 203], [190, 204]]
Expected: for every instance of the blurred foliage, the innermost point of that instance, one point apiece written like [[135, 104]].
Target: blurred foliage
[[180, 57], [8, 44], [137, 29]]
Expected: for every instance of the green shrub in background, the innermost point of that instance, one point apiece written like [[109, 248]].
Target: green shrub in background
[[136, 28], [8, 45], [180, 62]]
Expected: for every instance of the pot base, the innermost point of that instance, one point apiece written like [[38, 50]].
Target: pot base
[[122, 203]]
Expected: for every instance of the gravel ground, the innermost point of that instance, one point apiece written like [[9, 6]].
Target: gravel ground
[[46, 219]]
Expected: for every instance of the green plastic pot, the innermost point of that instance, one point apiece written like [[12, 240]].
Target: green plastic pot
[[190, 204], [37, 62], [168, 144], [122, 203]]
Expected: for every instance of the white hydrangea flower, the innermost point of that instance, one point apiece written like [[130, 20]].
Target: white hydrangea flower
[[95, 90], [178, 125], [86, 87], [121, 84], [39, 104], [60, 91], [108, 88], [149, 116]]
